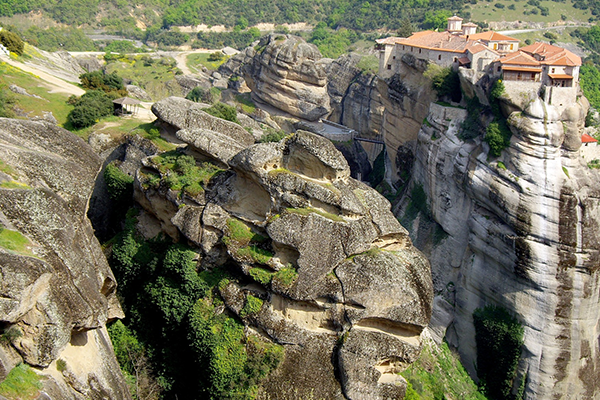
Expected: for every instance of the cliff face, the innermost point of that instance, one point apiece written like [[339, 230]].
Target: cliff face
[[57, 290], [520, 231], [286, 72], [349, 294]]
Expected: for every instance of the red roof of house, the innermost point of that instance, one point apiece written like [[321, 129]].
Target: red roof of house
[[519, 58], [552, 55], [492, 36], [585, 138]]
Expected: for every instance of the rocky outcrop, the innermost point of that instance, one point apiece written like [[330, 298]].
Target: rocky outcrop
[[57, 291], [519, 231], [289, 74], [347, 295]]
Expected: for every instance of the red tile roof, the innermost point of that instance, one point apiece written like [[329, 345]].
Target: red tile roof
[[443, 41], [552, 55], [519, 58], [492, 36], [585, 138]]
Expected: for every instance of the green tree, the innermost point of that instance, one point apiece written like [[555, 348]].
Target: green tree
[[499, 337], [12, 42]]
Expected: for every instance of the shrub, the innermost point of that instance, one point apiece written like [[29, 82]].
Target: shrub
[[12, 42], [272, 136], [499, 337], [201, 95], [446, 83], [286, 276], [216, 56], [252, 306], [61, 365], [223, 111], [497, 135], [89, 108], [118, 183]]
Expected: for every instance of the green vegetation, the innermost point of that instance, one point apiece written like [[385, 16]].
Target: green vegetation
[[252, 306], [55, 39], [589, 77], [55, 102], [122, 47], [378, 172], [7, 169], [256, 254], [196, 61], [241, 233], [89, 108], [309, 210], [133, 360], [472, 126], [444, 81], [501, 165], [594, 164], [497, 133], [21, 383], [238, 39], [7, 335], [119, 184], [154, 74], [438, 374], [12, 42], [61, 365], [286, 276], [416, 205], [272, 135], [246, 103], [180, 173], [108, 83], [222, 110], [566, 172], [14, 241], [332, 43], [499, 337], [261, 275], [201, 95], [369, 64]]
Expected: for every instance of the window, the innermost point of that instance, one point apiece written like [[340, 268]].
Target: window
[[440, 57], [495, 46], [394, 57], [511, 46], [419, 51], [403, 47], [455, 59], [553, 69], [499, 68], [389, 66]]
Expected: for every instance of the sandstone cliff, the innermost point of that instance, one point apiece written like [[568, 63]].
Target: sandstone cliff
[[56, 289], [348, 295], [520, 231]]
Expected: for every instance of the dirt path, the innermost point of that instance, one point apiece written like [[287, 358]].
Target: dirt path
[[54, 84], [181, 59]]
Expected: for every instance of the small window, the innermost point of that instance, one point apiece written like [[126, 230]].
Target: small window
[[440, 57], [499, 68], [495, 46], [455, 59], [419, 51], [389, 66], [511, 46], [403, 47], [394, 57], [553, 69]]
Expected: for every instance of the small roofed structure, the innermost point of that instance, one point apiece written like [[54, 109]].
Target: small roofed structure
[[126, 105], [585, 139]]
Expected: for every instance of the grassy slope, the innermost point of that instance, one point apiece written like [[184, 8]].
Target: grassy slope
[[486, 11], [438, 372], [55, 102]]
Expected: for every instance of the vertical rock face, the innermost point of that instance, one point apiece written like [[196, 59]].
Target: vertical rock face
[[520, 231], [348, 295], [289, 74], [56, 289]]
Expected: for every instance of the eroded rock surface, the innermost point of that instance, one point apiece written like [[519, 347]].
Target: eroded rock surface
[[347, 292], [287, 73], [520, 231], [57, 286]]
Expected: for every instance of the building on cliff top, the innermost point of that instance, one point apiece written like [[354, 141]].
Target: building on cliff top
[[545, 66]]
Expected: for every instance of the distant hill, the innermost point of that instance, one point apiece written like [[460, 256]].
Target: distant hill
[[134, 15]]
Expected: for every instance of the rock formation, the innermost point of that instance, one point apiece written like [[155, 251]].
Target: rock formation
[[519, 231], [56, 289], [289, 74], [348, 295]]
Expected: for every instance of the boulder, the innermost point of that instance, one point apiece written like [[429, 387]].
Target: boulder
[[289, 74]]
